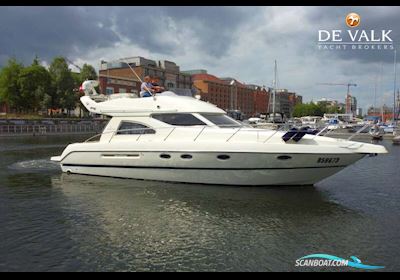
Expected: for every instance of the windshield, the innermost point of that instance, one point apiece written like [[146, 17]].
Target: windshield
[[221, 120]]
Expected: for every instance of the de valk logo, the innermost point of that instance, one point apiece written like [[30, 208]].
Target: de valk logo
[[355, 38]]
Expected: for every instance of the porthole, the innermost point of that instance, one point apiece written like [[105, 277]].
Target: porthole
[[165, 156], [223, 157], [283, 157], [186, 156]]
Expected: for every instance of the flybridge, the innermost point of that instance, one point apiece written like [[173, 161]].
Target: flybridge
[[355, 36]]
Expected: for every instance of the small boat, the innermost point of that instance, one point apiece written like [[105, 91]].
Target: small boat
[[377, 132], [396, 137], [390, 128]]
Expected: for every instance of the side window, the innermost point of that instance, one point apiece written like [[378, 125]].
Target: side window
[[178, 119], [134, 128]]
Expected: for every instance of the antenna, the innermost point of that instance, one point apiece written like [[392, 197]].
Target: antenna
[[137, 76], [70, 62], [274, 96]]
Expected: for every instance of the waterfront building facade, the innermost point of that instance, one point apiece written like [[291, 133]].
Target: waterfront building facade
[[285, 102], [227, 93], [117, 77], [230, 94], [384, 113]]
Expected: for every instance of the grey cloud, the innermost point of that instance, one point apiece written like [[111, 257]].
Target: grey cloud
[[72, 31], [51, 31], [213, 27]]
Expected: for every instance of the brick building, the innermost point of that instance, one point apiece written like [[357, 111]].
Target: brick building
[[117, 75], [213, 90], [118, 80], [230, 94]]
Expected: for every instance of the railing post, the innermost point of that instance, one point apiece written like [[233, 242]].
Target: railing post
[[234, 134], [276, 131], [169, 133], [201, 131]]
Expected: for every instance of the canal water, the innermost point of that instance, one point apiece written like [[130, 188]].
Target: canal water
[[51, 221]]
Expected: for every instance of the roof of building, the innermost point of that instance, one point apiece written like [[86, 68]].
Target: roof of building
[[206, 77]]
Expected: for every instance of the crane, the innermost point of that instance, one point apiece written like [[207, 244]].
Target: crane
[[348, 85]]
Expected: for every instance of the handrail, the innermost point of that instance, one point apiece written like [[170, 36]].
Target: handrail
[[322, 130], [276, 131], [241, 128], [201, 131], [173, 129], [358, 131], [119, 130], [234, 134]]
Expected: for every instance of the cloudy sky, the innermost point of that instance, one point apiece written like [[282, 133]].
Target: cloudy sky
[[240, 42]]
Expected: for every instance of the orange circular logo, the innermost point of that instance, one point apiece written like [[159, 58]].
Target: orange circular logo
[[353, 20]]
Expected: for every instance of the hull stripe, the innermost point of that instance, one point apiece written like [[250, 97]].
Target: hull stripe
[[196, 168]]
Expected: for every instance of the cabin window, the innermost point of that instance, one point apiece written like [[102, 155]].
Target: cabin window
[[134, 128], [223, 157], [221, 120], [178, 119], [186, 156]]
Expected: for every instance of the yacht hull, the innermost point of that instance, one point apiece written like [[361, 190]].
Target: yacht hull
[[253, 169], [215, 177]]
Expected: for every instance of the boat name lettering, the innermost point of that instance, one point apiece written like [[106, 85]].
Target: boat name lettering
[[328, 160]]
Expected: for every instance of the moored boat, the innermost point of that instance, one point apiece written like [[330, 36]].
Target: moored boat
[[182, 139]]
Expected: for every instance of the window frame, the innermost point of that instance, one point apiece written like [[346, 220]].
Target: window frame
[[204, 115], [146, 127], [179, 125]]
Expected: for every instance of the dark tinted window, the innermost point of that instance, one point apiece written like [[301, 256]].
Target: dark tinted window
[[223, 157], [221, 120], [134, 128], [178, 119], [186, 156]]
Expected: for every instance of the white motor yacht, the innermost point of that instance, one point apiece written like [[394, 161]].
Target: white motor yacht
[[183, 139]]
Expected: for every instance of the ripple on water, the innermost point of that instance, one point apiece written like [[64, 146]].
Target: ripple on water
[[35, 165]]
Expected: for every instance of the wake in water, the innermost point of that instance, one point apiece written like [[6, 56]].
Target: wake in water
[[36, 165]]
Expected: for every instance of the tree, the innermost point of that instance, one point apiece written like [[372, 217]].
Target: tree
[[88, 73], [308, 109], [9, 87], [63, 85], [34, 82]]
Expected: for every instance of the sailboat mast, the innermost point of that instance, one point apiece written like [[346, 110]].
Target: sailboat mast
[[273, 100], [394, 88]]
